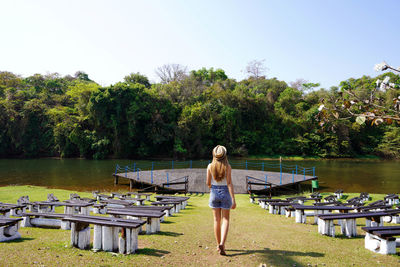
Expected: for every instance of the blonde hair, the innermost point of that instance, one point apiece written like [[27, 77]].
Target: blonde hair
[[219, 163]]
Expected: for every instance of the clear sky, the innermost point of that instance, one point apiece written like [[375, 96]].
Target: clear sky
[[324, 41]]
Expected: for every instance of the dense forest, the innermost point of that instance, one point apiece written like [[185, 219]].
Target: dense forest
[[183, 116]]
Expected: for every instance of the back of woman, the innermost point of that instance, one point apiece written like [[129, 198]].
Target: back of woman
[[222, 197]]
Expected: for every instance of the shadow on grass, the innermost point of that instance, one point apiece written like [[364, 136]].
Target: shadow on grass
[[20, 240], [165, 233], [167, 222], [275, 257], [342, 236], [152, 252]]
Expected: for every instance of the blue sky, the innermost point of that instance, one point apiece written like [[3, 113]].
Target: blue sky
[[319, 41]]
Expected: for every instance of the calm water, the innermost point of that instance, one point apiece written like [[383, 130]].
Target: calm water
[[374, 176]]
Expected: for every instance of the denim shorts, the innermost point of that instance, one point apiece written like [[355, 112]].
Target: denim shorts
[[220, 197]]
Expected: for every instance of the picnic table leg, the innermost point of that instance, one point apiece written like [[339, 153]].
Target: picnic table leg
[[122, 242], [107, 238], [148, 226], [84, 211], [387, 247], [298, 215], [331, 228], [303, 217], [320, 226], [97, 237], [84, 237], [271, 209], [128, 241], [26, 221], [74, 235], [115, 238], [371, 243], [154, 225]]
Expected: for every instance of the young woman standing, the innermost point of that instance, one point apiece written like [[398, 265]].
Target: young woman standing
[[222, 196]]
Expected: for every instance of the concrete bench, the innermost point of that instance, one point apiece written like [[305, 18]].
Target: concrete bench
[[301, 214], [165, 209], [253, 198], [42, 219], [333, 203], [330, 198], [364, 196], [9, 229], [279, 207], [175, 204], [382, 239], [348, 221], [109, 233], [151, 217], [183, 200], [264, 203], [100, 197], [392, 199], [339, 193], [13, 209], [80, 207], [139, 195], [76, 197], [137, 201], [116, 203]]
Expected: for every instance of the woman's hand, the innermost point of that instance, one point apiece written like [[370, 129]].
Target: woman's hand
[[233, 205]]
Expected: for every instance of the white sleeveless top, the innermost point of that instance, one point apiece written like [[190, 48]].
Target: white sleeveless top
[[213, 182]]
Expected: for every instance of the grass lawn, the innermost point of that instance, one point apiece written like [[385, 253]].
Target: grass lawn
[[186, 239]]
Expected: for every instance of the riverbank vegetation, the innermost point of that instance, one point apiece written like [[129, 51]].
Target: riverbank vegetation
[[255, 237], [184, 116]]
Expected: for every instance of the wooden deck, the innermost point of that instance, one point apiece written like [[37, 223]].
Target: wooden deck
[[197, 178]]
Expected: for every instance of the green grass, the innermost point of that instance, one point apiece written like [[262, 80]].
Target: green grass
[[186, 239]]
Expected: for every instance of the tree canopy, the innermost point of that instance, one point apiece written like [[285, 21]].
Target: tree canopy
[[188, 113]]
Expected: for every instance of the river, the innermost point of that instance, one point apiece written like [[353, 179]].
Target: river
[[373, 176]]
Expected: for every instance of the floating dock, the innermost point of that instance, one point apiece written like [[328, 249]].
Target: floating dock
[[196, 178]]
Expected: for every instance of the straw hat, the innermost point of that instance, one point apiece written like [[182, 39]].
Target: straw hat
[[219, 152]]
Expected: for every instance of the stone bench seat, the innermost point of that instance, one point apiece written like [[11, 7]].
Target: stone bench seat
[[13, 209], [165, 209], [9, 229], [109, 233], [278, 207], [382, 239], [301, 214], [139, 195], [175, 204], [348, 221], [264, 203], [137, 201], [116, 203], [183, 200], [42, 219], [69, 207], [152, 217], [253, 198]]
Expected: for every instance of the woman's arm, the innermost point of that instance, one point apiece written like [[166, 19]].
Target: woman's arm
[[208, 182], [230, 186]]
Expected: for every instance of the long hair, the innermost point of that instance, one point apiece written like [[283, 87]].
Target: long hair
[[219, 163]]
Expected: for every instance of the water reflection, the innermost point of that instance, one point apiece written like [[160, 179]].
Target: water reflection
[[373, 176]]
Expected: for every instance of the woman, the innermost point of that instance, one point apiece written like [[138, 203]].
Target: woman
[[222, 196]]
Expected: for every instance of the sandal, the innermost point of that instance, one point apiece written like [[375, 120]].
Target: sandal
[[221, 249]]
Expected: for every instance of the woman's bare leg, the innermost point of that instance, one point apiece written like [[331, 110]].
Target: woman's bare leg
[[217, 225], [224, 225]]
